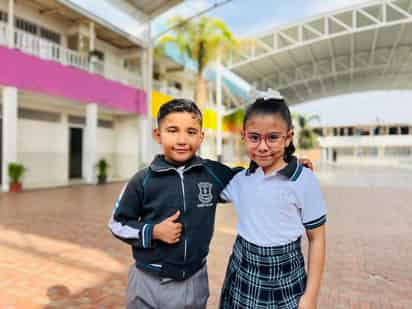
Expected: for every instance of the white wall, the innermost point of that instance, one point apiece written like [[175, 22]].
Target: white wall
[[42, 147], [51, 22], [106, 148], [208, 148], [126, 160], [366, 141]]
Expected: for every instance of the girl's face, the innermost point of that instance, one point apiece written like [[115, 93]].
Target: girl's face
[[266, 137]]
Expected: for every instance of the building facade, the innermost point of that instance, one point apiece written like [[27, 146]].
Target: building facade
[[383, 144], [74, 90]]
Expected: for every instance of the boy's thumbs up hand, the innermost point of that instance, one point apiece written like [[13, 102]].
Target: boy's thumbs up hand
[[174, 217], [168, 230]]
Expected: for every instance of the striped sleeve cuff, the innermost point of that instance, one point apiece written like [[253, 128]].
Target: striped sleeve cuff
[[146, 234], [315, 223]]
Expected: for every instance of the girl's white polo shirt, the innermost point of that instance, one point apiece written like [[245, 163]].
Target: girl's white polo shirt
[[275, 209]]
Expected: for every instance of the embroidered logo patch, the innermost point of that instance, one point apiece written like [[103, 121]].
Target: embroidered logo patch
[[205, 194]]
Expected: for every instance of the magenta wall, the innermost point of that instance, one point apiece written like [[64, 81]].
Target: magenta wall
[[31, 73]]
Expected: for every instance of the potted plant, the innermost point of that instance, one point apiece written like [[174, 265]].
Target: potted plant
[[16, 171], [102, 167]]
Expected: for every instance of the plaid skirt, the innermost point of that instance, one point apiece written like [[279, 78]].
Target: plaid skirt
[[264, 277]]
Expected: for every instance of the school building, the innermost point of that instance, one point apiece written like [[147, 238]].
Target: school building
[[382, 144], [73, 89]]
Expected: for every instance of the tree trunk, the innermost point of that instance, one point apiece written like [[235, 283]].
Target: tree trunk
[[201, 96]]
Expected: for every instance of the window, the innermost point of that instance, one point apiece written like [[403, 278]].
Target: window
[[107, 124], [393, 131], [350, 131], [178, 85], [318, 131], [98, 54], [342, 131], [77, 120], [50, 35], [174, 84], [3, 16], [31, 114], [404, 130], [377, 131], [156, 76], [25, 25], [361, 131], [29, 27]]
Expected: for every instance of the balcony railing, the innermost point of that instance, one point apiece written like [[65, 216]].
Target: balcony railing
[[44, 49], [171, 91], [366, 141], [115, 72], [47, 50]]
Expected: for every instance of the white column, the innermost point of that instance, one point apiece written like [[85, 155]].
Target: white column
[[219, 108], [92, 42], [145, 142], [92, 36], [323, 155], [9, 132], [10, 24], [163, 82], [381, 152], [90, 144], [66, 138]]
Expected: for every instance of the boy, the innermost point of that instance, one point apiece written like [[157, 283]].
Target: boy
[[167, 213]]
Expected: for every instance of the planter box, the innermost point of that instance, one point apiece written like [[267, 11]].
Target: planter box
[[16, 187]]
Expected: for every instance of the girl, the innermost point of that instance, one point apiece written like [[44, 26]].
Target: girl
[[277, 200]]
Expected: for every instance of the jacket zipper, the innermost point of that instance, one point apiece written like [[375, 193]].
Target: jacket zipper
[[184, 209], [184, 201]]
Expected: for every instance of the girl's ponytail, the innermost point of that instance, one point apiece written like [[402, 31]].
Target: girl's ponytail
[[289, 151]]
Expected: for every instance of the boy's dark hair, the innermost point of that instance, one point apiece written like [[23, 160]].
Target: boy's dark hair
[[272, 106], [178, 106]]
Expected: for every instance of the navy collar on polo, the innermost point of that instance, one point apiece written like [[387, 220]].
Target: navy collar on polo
[[159, 163], [289, 171]]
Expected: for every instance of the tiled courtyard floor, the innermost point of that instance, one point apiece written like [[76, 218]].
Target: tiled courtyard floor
[[56, 251]]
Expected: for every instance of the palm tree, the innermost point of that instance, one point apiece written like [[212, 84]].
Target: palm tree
[[199, 40], [307, 137]]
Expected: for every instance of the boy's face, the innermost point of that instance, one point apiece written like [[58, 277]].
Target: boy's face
[[180, 135]]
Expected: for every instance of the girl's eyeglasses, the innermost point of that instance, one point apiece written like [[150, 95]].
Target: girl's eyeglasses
[[271, 139]]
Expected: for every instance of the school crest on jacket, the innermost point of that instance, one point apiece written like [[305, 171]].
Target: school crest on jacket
[[205, 194]]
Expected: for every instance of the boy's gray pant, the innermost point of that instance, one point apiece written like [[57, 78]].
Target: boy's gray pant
[[146, 291]]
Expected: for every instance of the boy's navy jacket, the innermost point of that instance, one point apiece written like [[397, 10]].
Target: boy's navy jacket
[[156, 193]]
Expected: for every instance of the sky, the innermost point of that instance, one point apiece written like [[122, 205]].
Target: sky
[[246, 18], [377, 107]]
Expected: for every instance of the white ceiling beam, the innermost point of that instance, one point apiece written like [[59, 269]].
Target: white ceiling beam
[[295, 65], [394, 46], [399, 9], [369, 16]]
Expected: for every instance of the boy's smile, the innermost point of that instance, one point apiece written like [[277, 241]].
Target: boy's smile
[[180, 135]]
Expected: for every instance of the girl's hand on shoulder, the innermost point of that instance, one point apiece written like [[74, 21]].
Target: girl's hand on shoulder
[[306, 302], [306, 163]]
